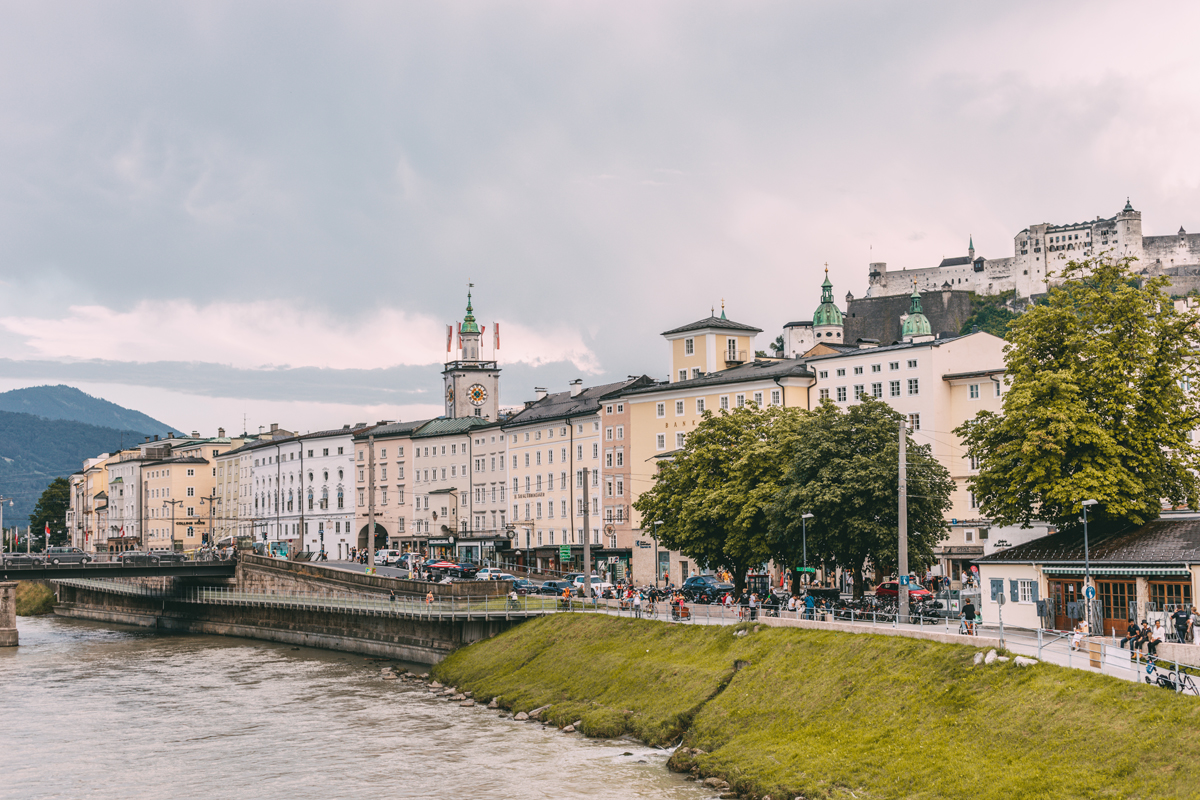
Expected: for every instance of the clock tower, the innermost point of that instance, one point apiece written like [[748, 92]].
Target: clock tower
[[472, 385]]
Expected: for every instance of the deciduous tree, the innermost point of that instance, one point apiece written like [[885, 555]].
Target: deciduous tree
[[52, 508], [1101, 404]]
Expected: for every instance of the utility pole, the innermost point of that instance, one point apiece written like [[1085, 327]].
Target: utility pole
[[902, 553], [587, 542], [172, 503], [370, 504], [212, 534]]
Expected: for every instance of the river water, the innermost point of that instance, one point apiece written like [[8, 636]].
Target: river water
[[91, 710]]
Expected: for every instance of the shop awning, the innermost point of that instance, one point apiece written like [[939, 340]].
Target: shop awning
[[1146, 572]]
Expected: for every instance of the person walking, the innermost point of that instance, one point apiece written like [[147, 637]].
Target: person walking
[[968, 617], [637, 605], [429, 601]]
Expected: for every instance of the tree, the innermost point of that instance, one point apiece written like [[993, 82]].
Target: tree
[[1100, 406], [51, 509], [989, 313], [714, 495], [778, 346], [845, 472]]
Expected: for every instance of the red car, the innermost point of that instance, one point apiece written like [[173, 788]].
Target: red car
[[891, 590]]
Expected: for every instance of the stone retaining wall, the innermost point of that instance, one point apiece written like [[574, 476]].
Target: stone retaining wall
[[268, 575]]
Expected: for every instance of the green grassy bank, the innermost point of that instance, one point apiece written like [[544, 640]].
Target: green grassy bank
[[788, 712], [34, 598]]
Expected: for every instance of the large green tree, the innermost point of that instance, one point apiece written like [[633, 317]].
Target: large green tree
[[52, 508], [844, 471], [1100, 405], [713, 495]]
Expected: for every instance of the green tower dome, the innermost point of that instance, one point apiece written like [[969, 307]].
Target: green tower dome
[[469, 325], [917, 323], [827, 313]]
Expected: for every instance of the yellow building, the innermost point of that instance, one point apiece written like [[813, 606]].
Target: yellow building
[[712, 368], [179, 494]]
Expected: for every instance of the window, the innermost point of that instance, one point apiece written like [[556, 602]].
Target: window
[[724, 402], [841, 373], [689, 347], [841, 394], [678, 408], [974, 391], [974, 500], [695, 372], [620, 457], [607, 410], [876, 390], [191, 511], [858, 370], [997, 385], [383, 452], [894, 388], [608, 434], [823, 374], [974, 462], [608, 459], [969, 536], [660, 442], [876, 367], [758, 399], [191, 491], [1025, 592], [191, 473], [401, 452], [893, 365], [683, 374], [1163, 595], [912, 363], [595, 449], [858, 391], [680, 439], [824, 394], [527, 459], [660, 410], [325, 452], [620, 432], [740, 400], [914, 422], [914, 386], [620, 408], [699, 405], [775, 397]]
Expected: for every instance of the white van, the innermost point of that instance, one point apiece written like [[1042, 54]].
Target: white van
[[386, 558]]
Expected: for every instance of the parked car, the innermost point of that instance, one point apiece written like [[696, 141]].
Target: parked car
[[598, 583], [151, 557], [556, 587], [67, 555], [489, 574], [705, 589], [386, 558], [467, 570], [24, 560], [891, 590], [524, 586]]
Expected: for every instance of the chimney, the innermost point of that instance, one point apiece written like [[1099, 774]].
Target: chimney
[[148, 438], [156, 437], [528, 403], [576, 387], [195, 434], [274, 427], [540, 392], [220, 433]]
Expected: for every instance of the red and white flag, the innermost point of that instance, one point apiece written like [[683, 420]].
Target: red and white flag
[[496, 333], [449, 337]]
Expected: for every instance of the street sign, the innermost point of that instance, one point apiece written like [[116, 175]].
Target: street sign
[[1090, 592], [564, 552], [904, 580], [807, 569]]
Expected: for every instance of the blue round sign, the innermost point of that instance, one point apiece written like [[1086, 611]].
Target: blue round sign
[[1090, 592]]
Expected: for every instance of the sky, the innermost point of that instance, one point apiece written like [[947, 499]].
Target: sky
[[238, 213]]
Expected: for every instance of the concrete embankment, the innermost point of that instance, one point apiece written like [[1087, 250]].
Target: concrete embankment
[[787, 712]]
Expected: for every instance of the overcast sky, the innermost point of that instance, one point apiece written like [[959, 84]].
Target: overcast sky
[[210, 210]]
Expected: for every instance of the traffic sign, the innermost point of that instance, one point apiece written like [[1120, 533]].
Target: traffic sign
[[564, 552], [807, 569], [904, 580], [1090, 592]]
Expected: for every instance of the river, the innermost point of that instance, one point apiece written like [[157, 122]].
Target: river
[[93, 710]]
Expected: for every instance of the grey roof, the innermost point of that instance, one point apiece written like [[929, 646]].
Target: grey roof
[[980, 373], [960, 261], [392, 429], [561, 405], [1163, 541], [798, 324], [752, 371], [714, 322], [887, 348], [299, 437], [443, 426]]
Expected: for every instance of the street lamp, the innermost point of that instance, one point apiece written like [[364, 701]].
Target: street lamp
[[804, 518], [654, 534], [172, 504], [1087, 566]]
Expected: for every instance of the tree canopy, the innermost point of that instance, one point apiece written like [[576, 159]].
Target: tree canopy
[[713, 496], [52, 508], [1100, 405], [844, 471]]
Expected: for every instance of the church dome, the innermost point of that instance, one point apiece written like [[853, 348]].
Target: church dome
[[917, 324], [827, 313]]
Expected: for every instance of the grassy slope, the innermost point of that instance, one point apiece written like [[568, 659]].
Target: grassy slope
[[34, 598], [819, 713]]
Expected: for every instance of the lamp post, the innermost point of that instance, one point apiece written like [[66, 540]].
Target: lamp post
[[212, 499], [172, 504], [1087, 566], [657, 522], [804, 518]]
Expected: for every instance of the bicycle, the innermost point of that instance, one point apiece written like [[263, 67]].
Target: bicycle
[[1179, 682]]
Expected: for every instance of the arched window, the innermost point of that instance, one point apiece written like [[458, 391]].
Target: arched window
[[289, 500], [324, 498], [340, 472], [310, 477], [310, 499]]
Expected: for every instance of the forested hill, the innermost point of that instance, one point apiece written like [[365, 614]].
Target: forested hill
[[69, 403], [35, 451]]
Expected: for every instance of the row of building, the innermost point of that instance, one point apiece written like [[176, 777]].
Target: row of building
[[529, 484]]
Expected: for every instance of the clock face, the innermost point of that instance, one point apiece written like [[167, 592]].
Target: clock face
[[477, 394], [449, 394]]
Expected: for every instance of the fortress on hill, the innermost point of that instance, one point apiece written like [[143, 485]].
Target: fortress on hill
[[1042, 249]]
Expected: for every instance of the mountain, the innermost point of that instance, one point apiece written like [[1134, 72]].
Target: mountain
[[68, 403], [35, 451]]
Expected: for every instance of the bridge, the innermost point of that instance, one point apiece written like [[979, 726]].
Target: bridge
[[117, 569]]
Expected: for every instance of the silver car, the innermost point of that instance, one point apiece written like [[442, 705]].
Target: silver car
[[67, 555]]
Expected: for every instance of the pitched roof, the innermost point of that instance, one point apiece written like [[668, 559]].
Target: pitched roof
[[392, 429], [960, 261], [713, 322], [443, 426], [561, 405], [751, 371], [1165, 541]]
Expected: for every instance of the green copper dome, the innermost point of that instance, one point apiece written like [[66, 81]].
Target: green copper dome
[[468, 323], [827, 313], [917, 324]]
